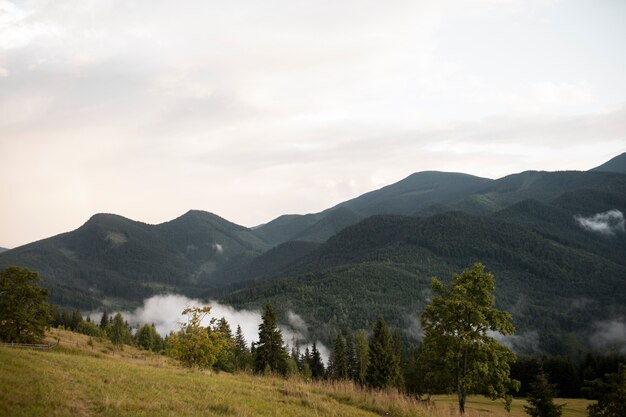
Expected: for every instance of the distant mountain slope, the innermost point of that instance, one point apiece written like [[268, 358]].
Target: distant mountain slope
[[617, 164], [417, 191], [430, 192], [383, 265], [3, 250], [114, 259]]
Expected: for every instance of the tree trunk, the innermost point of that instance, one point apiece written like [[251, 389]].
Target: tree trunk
[[462, 394]]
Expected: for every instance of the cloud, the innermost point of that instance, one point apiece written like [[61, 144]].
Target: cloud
[[164, 311], [218, 248], [606, 223], [526, 343], [609, 335]]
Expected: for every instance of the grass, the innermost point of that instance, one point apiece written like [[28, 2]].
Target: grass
[[89, 377], [574, 407]]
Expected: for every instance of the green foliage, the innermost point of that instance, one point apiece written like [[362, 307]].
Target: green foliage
[[24, 312], [383, 365], [147, 338], [271, 354], [316, 364], [196, 346], [541, 399], [457, 346], [118, 332], [612, 397], [243, 357], [338, 361], [90, 329], [362, 356]]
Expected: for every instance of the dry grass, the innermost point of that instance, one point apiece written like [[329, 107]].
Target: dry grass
[[89, 377]]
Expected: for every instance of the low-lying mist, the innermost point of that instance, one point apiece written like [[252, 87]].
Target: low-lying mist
[[164, 311]]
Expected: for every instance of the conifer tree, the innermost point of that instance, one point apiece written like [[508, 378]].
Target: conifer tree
[[316, 364], [270, 352], [541, 398], [118, 332], [383, 366], [351, 356], [612, 396], [362, 356], [104, 320], [243, 357], [338, 362]]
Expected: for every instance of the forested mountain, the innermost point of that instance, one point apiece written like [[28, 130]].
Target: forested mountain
[[427, 193], [383, 265], [555, 241], [121, 261], [617, 164], [3, 250]]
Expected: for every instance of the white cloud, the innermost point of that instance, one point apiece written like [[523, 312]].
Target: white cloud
[[606, 223]]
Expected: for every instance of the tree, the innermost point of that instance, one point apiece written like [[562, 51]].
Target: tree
[[117, 331], [383, 367], [612, 396], [271, 354], [148, 339], [316, 365], [226, 358], [243, 358], [541, 398], [351, 356], [362, 356], [338, 362], [104, 320], [194, 345], [457, 346], [24, 312]]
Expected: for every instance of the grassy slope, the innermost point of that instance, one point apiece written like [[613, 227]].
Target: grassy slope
[[78, 379]]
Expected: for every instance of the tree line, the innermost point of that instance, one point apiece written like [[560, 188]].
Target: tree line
[[457, 352]]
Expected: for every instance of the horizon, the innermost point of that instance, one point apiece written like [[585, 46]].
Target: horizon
[[251, 111]]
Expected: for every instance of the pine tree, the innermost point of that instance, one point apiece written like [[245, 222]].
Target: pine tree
[[270, 352], [118, 332], [541, 398], [612, 396], [362, 356], [104, 320], [316, 364], [383, 366], [243, 357], [338, 362], [351, 356]]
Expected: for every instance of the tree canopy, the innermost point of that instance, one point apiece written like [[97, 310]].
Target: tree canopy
[[270, 352], [24, 311], [458, 348]]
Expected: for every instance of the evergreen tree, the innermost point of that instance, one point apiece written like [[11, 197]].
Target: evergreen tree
[[270, 352], [147, 338], [383, 367], [362, 356], [541, 398], [316, 364], [243, 357], [226, 358], [398, 351], [117, 331], [338, 362], [75, 320], [104, 320], [612, 396], [351, 356]]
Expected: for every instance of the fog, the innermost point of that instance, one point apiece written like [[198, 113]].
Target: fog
[[606, 223], [164, 311]]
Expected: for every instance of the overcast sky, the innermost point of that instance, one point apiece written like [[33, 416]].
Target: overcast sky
[[252, 109]]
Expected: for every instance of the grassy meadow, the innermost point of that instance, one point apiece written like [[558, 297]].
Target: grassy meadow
[[87, 377]]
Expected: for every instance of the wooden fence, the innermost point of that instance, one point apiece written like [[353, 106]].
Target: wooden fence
[[26, 346]]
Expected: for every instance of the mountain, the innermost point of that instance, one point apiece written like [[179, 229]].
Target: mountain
[[617, 164], [415, 192], [431, 192], [383, 265], [3, 250], [115, 260]]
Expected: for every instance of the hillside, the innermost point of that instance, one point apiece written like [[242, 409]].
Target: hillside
[[86, 377], [3, 250], [120, 261], [616, 164], [383, 265], [430, 192]]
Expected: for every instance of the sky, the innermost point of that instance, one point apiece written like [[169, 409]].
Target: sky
[[253, 109]]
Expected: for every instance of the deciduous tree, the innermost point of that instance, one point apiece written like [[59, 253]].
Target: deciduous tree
[[458, 347], [24, 311]]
